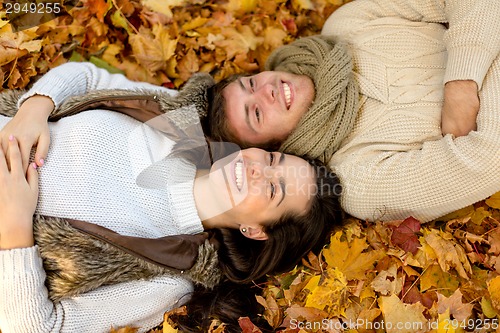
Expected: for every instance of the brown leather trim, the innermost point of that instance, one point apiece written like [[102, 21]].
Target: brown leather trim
[[178, 252]]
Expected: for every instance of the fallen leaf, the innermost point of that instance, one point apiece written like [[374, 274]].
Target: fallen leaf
[[406, 235], [494, 201], [247, 326], [460, 311], [399, 316], [349, 257]]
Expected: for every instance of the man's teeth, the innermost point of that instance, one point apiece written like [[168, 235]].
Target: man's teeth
[[288, 94], [238, 170]]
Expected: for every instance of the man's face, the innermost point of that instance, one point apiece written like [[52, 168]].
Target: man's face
[[267, 107]]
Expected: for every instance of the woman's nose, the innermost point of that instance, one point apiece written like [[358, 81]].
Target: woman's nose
[[261, 171]]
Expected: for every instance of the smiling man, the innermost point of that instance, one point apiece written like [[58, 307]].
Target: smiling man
[[396, 82], [267, 106]]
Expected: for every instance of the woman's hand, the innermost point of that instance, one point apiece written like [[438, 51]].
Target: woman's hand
[[18, 199], [31, 128], [460, 109]]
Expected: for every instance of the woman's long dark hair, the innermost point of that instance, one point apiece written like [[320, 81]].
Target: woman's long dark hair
[[245, 261]]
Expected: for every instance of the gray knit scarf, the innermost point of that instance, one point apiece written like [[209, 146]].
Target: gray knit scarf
[[333, 112]]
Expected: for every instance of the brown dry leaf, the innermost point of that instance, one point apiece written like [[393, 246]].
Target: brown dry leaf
[[239, 40], [247, 326], [387, 282], [272, 312], [188, 65], [153, 49], [216, 327], [448, 252], [303, 314], [460, 311], [163, 6], [349, 257], [399, 316]]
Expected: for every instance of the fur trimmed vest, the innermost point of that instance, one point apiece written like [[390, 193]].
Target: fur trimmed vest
[[76, 263]]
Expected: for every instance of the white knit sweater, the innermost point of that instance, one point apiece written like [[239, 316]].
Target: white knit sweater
[[396, 163], [90, 174]]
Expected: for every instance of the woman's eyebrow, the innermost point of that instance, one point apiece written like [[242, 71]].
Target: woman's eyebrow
[[283, 191]]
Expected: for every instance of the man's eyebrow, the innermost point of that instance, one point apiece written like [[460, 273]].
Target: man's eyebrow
[[247, 111], [241, 84]]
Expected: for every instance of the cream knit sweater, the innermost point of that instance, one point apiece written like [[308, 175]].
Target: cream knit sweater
[[396, 163], [90, 174]]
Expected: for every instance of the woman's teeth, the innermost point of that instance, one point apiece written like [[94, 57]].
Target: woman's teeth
[[238, 170], [288, 94]]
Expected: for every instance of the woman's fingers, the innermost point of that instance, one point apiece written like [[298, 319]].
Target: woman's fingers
[[3, 163], [14, 158], [32, 177], [42, 148]]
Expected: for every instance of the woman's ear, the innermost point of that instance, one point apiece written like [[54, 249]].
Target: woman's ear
[[255, 233]]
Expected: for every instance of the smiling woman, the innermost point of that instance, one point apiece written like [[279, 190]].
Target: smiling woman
[[259, 211]]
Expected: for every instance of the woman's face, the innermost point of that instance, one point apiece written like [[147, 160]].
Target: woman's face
[[258, 187]]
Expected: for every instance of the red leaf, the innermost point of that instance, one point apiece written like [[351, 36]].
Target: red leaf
[[406, 235], [247, 326]]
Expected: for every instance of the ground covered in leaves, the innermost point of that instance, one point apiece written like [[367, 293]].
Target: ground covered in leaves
[[372, 277]]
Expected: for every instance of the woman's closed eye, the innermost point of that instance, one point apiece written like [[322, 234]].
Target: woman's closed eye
[[272, 190], [257, 114]]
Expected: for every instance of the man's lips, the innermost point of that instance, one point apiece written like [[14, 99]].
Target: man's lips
[[287, 94]]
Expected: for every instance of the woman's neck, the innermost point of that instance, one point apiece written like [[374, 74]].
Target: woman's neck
[[208, 205]]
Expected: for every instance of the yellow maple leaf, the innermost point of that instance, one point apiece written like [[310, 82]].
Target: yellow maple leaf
[[445, 324], [349, 257], [401, 317], [494, 290], [328, 292], [494, 201], [435, 277]]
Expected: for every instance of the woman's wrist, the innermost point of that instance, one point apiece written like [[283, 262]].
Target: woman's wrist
[[38, 105], [20, 236]]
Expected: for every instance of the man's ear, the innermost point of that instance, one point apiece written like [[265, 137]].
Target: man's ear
[[255, 233]]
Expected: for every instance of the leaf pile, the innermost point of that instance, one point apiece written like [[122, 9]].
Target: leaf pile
[[400, 276], [160, 41]]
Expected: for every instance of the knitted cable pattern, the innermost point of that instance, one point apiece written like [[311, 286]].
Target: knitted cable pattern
[[333, 112]]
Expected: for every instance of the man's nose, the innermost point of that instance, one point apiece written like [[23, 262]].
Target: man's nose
[[267, 93]]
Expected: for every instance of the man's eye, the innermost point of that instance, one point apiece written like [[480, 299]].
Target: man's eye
[[252, 84], [257, 114], [271, 159]]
